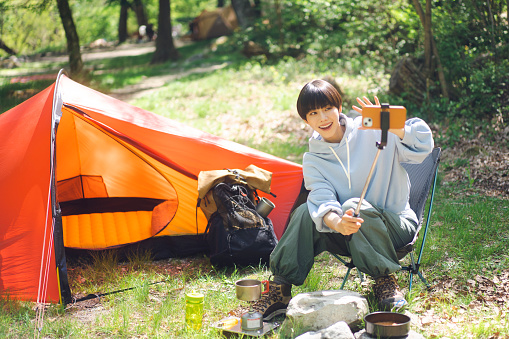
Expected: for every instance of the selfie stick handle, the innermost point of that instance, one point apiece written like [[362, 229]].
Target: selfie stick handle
[[384, 124]]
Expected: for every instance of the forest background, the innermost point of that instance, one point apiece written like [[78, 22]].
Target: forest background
[[446, 61], [459, 48]]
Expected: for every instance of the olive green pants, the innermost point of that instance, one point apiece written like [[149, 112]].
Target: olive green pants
[[372, 248]]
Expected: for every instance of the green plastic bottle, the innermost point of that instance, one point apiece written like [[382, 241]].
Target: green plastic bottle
[[194, 310]]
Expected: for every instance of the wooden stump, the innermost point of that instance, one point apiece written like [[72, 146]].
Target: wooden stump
[[408, 81]]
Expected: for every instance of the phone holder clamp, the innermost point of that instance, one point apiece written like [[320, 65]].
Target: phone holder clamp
[[385, 118]]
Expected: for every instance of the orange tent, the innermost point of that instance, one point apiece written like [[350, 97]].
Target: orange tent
[[82, 170]]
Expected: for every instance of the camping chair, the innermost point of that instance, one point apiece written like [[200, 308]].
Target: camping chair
[[423, 180]]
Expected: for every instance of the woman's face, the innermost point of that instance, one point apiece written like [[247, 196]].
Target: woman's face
[[325, 121]]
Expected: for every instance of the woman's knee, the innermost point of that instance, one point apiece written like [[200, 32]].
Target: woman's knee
[[300, 216], [301, 213]]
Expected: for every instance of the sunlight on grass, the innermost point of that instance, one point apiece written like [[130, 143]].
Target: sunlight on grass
[[262, 101]]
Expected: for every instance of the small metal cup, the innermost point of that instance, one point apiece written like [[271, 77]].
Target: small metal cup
[[264, 207], [251, 289]]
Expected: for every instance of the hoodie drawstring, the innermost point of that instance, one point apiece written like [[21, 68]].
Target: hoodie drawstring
[[348, 162]]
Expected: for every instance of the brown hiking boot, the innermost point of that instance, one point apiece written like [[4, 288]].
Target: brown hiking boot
[[275, 301], [387, 292]]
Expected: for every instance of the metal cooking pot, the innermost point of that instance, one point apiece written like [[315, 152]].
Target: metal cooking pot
[[387, 324], [251, 289]]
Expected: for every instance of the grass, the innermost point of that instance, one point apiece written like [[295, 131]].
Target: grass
[[252, 102]]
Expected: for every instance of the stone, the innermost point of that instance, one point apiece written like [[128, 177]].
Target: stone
[[339, 330], [315, 311]]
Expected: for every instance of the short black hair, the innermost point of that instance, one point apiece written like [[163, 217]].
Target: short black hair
[[317, 94]]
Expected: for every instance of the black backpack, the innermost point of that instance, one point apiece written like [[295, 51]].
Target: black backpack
[[236, 233]]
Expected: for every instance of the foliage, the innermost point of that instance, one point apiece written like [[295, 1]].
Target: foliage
[[184, 11], [93, 20], [28, 29], [336, 29], [359, 35], [472, 42], [471, 38], [35, 26]]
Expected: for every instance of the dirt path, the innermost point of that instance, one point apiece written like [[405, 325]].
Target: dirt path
[[128, 49], [128, 93], [152, 84], [107, 52]]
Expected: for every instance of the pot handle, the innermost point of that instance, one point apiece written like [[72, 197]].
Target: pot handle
[[265, 283]]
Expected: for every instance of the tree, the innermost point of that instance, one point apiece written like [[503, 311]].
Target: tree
[[165, 48], [122, 21], [141, 17], [6, 48], [73, 41], [246, 14], [139, 10], [430, 48]]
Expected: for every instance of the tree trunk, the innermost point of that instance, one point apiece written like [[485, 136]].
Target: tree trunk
[[428, 52], [73, 41], [280, 25], [432, 45], [139, 9], [492, 30], [6, 48], [122, 21], [220, 3], [245, 12], [258, 8], [165, 49]]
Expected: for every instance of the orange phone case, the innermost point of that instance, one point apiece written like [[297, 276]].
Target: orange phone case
[[371, 117]]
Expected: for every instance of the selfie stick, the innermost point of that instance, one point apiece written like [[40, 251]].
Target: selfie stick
[[384, 125]]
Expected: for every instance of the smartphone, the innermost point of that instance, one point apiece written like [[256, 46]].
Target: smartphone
[[371, 117]]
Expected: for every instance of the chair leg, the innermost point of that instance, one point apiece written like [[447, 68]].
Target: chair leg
[[350, 265], [410, 283], [361, 276], [415, 269], [345, 278], [423, 279]]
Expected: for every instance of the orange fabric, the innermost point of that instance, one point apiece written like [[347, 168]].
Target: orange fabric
[[25, 224], [162, 215], [141, 154], [80, 187], [104, 230]]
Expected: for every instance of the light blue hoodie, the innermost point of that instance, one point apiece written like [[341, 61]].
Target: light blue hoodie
[[336, 172]]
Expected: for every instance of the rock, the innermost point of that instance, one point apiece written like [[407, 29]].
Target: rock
[[339, 330], [315, 311]]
